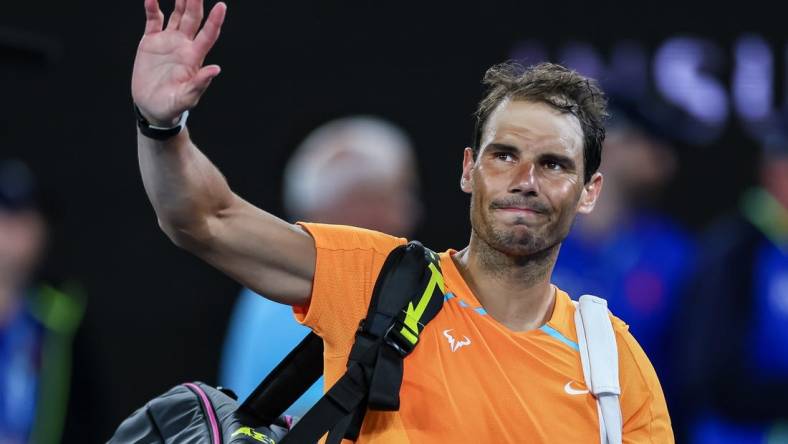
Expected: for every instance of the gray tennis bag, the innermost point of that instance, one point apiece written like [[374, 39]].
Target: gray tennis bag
[[196, 413]]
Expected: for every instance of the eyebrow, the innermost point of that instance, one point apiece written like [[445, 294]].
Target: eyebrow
[[502, 147]]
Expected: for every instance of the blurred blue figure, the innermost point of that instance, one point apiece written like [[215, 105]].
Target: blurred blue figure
[[260, 334], [355, 171], [37, 322], [625, 251], [734, 352], [22, 233]]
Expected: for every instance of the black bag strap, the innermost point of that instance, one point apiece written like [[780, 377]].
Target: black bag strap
[[408, 294], [286, 383], [404, 300]]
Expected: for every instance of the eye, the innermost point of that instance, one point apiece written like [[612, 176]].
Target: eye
[[553, 165], [503, 156]]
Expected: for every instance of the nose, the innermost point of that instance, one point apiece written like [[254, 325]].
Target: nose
[[524, 179]]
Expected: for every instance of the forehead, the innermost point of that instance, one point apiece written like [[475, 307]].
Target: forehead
[[537, 124]]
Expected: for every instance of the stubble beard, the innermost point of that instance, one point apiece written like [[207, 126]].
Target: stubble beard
[[519, 244], [520, 254]]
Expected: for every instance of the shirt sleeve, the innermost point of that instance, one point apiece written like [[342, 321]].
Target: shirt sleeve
[[348, 261], [643, 408]]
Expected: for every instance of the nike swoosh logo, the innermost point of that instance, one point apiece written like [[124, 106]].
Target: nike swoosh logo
[[568, 389]]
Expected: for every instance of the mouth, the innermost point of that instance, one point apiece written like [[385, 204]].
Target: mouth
[[518, 210], [529, 217], [520, 213], [532, 208]]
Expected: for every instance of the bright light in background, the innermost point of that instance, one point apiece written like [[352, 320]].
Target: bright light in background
[[753, 78], [679, 75], [689, 73]]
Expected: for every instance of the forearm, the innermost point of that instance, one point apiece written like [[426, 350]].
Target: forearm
[[192, 200], [184, 187]]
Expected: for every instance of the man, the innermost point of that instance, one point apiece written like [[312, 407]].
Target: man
[[499, 362], [357, 170]]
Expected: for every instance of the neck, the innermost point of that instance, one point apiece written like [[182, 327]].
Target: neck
[[514, 290]]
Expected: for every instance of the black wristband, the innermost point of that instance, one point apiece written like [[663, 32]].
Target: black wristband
[[157, 132]]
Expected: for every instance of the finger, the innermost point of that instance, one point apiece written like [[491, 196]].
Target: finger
[[177, 13], [203, 78], [210, 31], [154, 19], [192, 17]]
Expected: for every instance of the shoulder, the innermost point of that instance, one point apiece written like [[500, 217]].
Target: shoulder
[[643, 406], [347, 263], [630, 353], [620, 327], [565, 303], [345, 238], [636, 373], [634, 365]]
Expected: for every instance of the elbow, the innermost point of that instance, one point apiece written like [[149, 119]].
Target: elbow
[[191, 237], [195, 231]]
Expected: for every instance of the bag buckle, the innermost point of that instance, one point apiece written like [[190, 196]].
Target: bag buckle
[[397, 340]]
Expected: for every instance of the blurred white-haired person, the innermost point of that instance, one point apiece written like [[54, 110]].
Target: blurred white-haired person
[[357, 170]]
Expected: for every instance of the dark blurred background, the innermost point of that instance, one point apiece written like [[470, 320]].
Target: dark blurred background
[[713, 73]]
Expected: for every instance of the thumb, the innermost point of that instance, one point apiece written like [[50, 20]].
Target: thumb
[[203, 78]]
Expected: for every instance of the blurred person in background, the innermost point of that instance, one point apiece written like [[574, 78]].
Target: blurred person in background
[[37, 321], [356, 171], [626, 249], [733, 352]]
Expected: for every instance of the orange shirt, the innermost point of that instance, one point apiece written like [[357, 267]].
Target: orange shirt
[[471, 379]]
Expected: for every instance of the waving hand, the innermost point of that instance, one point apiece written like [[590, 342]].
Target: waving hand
[[169, 77]]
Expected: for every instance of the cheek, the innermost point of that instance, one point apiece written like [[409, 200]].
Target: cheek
[[479, 185], [563, 185], [478, 200], [564, 195], [487, 180]]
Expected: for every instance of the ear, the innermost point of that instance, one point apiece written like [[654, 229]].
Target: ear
[[590, 194], [468, 162]]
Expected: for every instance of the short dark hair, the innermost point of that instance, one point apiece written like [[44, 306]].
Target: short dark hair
[[559, 87]]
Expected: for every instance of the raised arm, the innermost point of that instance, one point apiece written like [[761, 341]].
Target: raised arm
[[192, 200]]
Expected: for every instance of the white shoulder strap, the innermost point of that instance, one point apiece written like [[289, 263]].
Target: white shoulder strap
[[599, 356]]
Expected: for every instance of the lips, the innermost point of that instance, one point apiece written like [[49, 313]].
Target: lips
[[519, 207], [519, 215], [519, 210]]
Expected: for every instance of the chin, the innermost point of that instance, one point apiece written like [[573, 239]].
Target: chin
[[514, 239], [524, 248], [518, 241]]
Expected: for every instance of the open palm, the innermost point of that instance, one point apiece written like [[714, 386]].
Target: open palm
[[169, 76]]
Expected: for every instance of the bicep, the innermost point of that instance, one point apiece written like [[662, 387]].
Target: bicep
[[262, 252]]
